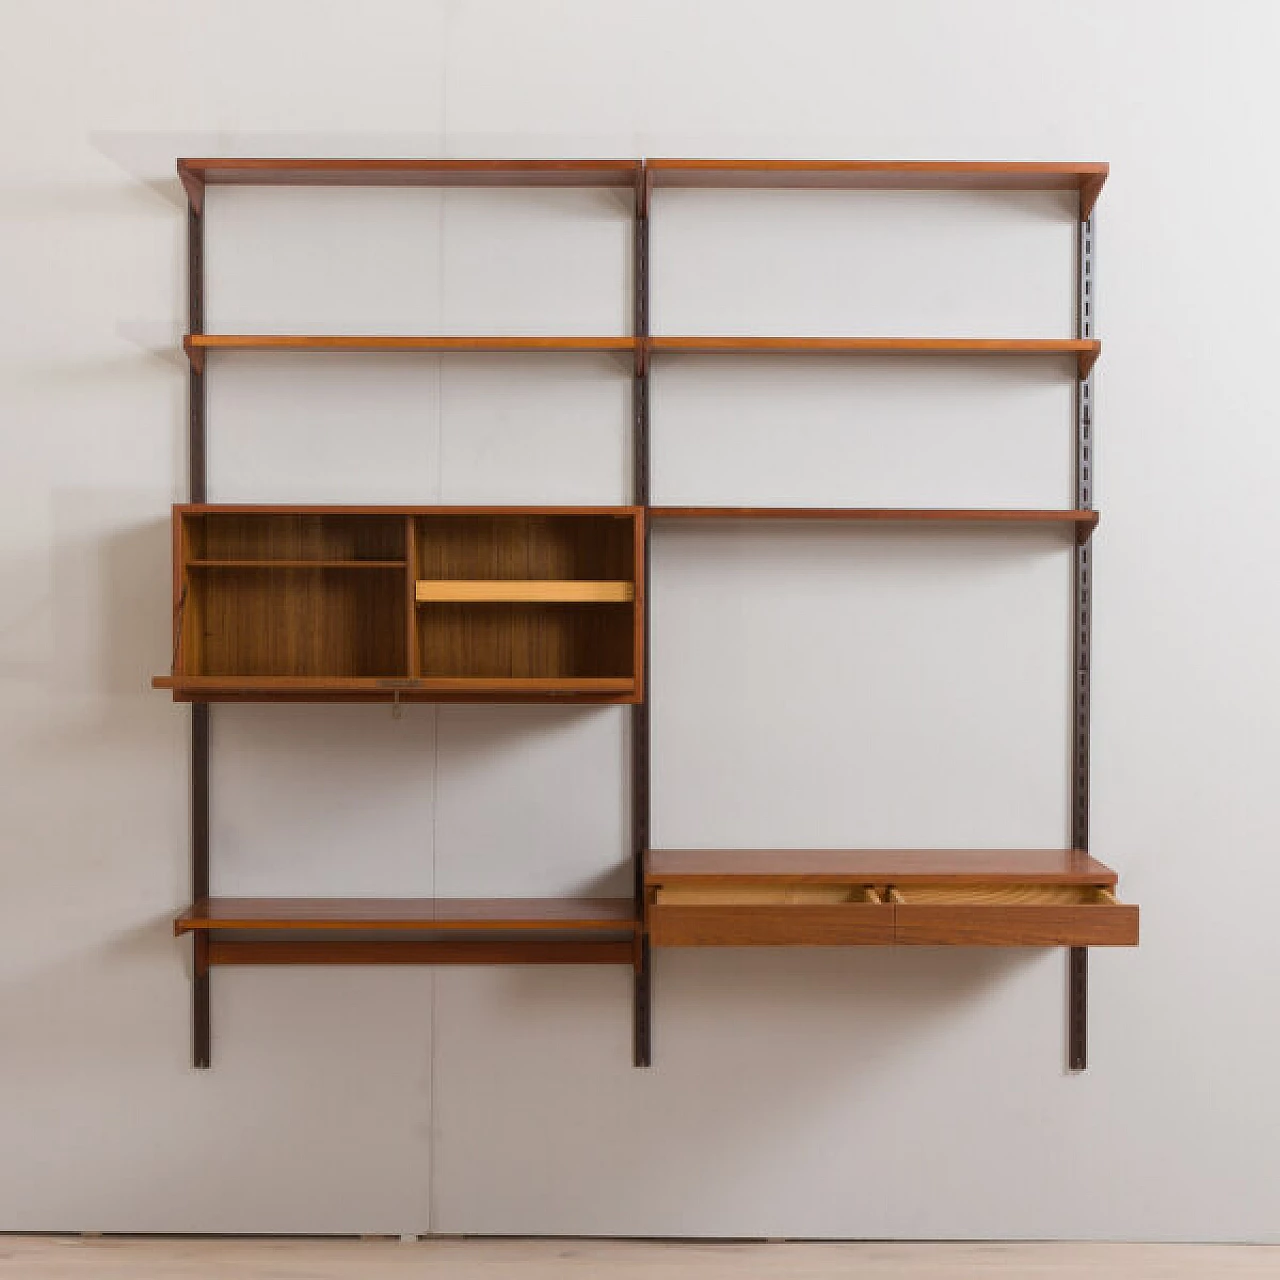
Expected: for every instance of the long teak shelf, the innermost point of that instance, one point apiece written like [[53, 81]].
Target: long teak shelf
[[661, 171], [1085, 353]]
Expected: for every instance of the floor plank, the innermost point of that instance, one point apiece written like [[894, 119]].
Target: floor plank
[[189, 1258]]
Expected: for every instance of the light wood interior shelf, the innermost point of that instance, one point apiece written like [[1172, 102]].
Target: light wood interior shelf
[[436, 591]]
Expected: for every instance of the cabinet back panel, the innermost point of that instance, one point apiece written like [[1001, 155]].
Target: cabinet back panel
[[296, 537], [299, 622], [519, 640], [518, 546]]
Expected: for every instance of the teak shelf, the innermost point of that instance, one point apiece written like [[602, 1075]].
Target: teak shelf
[[539, 604]]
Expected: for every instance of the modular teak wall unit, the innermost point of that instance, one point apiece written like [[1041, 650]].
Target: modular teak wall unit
[[532, 604]]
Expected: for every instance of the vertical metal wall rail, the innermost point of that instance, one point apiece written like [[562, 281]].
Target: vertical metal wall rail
[[640, 721], [197, 458], [1082, 600]]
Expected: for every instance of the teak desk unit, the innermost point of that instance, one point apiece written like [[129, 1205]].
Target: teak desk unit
[[532, 604]]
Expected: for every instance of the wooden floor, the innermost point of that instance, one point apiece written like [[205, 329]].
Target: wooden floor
[[188, 1258]]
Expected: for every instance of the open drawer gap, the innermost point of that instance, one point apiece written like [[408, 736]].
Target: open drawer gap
[[996, 895], [764, 895]]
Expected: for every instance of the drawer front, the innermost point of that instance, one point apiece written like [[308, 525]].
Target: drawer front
[[967, 925], [774, 925]]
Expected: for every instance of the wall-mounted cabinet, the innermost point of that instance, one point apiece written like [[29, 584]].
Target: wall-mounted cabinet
[[388, 603]]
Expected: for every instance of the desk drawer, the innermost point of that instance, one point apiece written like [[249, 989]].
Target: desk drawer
[[1043, 915]]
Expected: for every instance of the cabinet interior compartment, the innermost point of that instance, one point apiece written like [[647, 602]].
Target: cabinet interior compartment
[[293, 536], [505, 637]]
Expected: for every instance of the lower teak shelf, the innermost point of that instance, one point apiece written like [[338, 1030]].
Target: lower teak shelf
[[885, 897], [479, 931]]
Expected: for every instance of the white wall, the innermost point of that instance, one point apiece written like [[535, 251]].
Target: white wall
[[903, 686]]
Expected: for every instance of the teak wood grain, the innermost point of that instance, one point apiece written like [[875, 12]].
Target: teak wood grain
[[600, 915], [1099, 924], [857, 924]]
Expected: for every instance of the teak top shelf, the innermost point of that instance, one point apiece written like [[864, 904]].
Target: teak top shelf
[[898, 866], [664, 171], [600, 915]]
